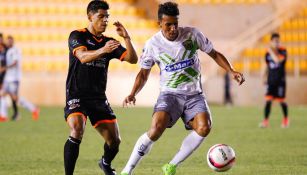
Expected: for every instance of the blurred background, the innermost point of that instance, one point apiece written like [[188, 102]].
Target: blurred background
[[240, 29]]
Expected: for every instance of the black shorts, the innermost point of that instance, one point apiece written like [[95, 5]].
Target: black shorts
[[276, 91], [98, 111]]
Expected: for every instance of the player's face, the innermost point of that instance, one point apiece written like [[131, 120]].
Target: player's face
[[10, 42], [1, 48], [275, 42], [99, 20], [169, 27]]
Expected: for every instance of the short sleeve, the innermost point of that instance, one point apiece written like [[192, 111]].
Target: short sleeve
[[76, 41], [147, 58], [119, 53], [16, 54], [204, 44]]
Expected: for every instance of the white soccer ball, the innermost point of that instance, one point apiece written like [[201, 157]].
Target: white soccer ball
[[221, 157]]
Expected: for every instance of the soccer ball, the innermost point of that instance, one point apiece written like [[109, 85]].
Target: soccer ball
[[221, 157]]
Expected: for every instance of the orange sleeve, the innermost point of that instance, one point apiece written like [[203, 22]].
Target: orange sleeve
[[75, 49], [121, 58]]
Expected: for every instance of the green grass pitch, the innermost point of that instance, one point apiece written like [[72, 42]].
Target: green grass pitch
[[36, 148]]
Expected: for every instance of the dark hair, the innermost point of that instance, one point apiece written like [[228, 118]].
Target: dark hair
[[275, 35], [95, 5], [1, 35], [168, 8]]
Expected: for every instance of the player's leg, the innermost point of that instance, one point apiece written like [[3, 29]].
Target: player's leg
[[30, 107], [143, 145], [196, 116], [108, 129], [3, 107], [14, 99], [283, 104], [12, 90], [201, 125], [76, 122], [268, 104]]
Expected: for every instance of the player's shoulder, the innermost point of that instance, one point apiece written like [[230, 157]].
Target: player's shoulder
[[78, 32], [281, 48], [156, 38], [188, 29]]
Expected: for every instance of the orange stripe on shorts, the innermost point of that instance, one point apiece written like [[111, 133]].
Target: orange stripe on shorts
[[76, 114], [104, 121]]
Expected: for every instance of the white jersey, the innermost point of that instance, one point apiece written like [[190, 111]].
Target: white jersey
[[178, 60], [13, 73]]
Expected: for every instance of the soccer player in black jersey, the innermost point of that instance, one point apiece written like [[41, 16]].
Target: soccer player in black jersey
[[89, 55], [275, 58]]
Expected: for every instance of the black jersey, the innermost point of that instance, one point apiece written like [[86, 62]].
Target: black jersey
[[2, 64], [89, 80], [276, 71]]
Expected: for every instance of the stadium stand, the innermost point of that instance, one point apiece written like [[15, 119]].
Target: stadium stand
[[41, 29], [293, 36]]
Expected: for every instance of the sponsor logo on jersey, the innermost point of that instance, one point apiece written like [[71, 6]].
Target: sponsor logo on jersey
[[179, 65], [74, 43], [188, 44], [90, 42]]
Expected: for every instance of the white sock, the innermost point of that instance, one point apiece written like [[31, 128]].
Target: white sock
[[3, 107], [142, 147], [26, 104], [189, 144]]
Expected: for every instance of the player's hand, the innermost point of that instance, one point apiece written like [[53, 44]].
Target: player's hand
[[110, 46], [120, 29], [2, 69], [129, 100], [238, 77]]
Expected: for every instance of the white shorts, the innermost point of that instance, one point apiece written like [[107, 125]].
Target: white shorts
[[181, 106], [11, 87]]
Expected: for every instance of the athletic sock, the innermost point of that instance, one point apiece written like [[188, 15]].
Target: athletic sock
[[141, 148], [284, 107], [26, 104], [71, 153], [189, 144], [15, 109], [109, 154], [3, 107], [267, 109]]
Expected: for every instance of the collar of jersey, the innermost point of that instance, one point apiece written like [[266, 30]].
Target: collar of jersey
[[172, 42]]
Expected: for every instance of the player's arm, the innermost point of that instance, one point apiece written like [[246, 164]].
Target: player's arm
[[4, 68], [275, 56], [86, 56], [139, 83], [224, 63], [131, 55]]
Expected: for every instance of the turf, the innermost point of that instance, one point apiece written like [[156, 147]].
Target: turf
[[36, 148]]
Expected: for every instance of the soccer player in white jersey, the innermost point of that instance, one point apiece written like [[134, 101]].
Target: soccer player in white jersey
[[11, 81], [174, 50]]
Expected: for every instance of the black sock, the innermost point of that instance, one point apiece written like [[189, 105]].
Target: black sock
[[284, 107], [71, 152], [15, 109], [109, 153], [267, 109]]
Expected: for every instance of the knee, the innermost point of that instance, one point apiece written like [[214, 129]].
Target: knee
[[77, 132], [203, 130], [155, 132], [115, 143]]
